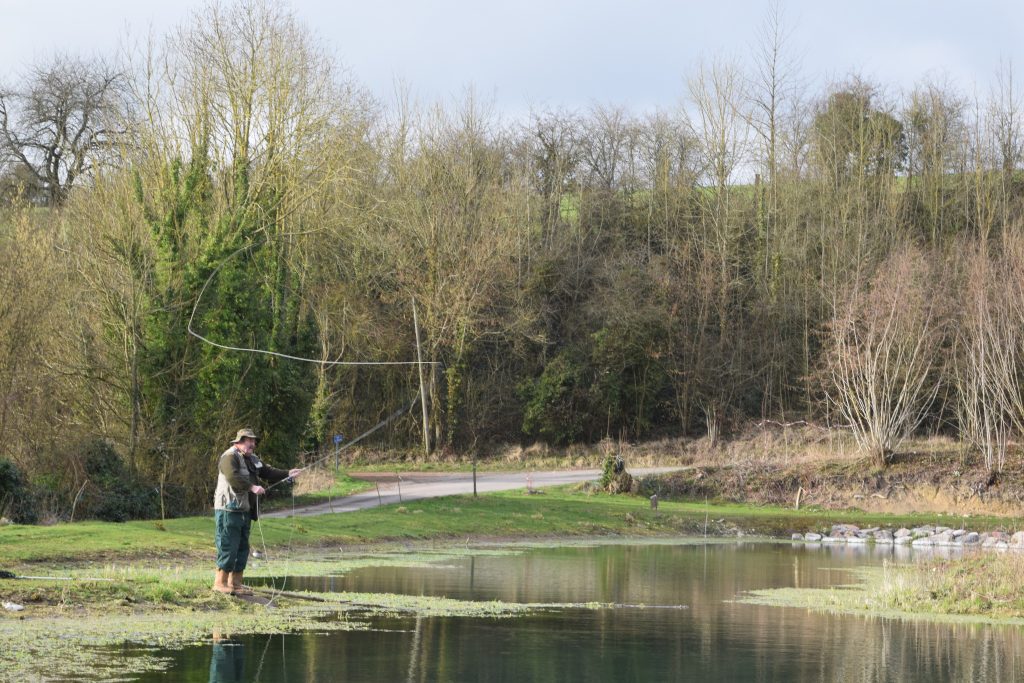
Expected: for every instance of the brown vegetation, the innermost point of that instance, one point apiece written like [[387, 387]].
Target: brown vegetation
[[826, 469]]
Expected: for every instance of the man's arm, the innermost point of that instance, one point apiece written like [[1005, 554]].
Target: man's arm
[[271, 474]]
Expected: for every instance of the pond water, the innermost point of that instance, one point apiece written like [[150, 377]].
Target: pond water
[[689, 628]]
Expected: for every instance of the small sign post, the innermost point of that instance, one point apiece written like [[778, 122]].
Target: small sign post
[[338, 438]]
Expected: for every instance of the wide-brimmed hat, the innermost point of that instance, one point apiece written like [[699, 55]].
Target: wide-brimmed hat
[[245, 434]]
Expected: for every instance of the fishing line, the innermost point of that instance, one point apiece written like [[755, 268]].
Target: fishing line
[[259, 669], [242, 349], [275, 591]]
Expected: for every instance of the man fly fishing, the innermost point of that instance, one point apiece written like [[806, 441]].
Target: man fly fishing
[[235, 507]]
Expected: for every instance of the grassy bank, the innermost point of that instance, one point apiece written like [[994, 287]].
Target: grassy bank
[[985, 584], [982, 587], [556, 512]]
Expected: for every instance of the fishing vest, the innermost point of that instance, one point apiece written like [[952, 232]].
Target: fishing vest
[[226, 497]]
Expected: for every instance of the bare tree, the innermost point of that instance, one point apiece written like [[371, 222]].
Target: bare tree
[[722, 134], [1004, 332], [770, 89], [554, 150], [720, 123], [1005, 111], [1007, 138], [61, 120], [934, 125], [985, 362], [666, 165], [607, 148], [443, 237], [35, 302], [882, 348]]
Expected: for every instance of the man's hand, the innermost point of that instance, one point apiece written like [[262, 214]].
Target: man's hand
[[257, 489], [294, 472]]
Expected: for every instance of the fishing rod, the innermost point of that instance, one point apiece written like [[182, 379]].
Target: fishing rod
[[383, 423]]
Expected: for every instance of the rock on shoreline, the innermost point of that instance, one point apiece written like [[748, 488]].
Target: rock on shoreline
[[918, 537]]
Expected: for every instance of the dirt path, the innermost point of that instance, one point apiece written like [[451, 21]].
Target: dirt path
[[418, 485]]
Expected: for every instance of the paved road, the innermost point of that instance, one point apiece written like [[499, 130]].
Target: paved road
[[418, 485]]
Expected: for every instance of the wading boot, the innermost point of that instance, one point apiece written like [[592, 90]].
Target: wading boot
[[236, 585], [220, 583]]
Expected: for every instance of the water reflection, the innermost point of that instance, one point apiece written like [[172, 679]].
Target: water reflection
[[227, 660], [899, 553], [715, 639]]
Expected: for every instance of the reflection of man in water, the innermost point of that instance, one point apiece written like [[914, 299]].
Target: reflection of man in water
[[227, 662]]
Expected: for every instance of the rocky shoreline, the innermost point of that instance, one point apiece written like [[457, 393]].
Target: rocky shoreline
[[922, 536]]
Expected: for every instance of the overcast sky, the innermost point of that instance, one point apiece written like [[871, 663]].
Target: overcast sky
[[573, 53]]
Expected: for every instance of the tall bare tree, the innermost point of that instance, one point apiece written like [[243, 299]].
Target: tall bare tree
[[935, 129], [62, 120], [986, 358], [771, 90]]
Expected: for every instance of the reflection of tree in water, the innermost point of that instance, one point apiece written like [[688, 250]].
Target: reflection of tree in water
[[878, 649], [414, 650], [227, 660]]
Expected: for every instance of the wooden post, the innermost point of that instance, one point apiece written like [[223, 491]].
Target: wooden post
[[475, 454], [423, 389]]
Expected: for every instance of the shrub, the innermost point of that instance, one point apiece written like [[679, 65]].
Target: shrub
[[16, 500], [556, 403], [114, 495], [614, 477]]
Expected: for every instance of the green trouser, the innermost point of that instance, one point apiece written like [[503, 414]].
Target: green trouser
[[232, 539]]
